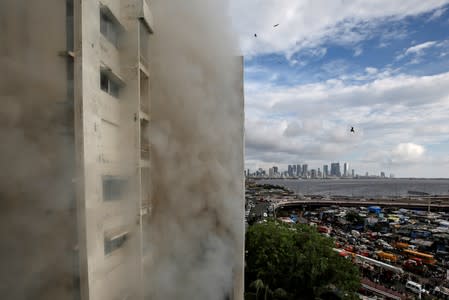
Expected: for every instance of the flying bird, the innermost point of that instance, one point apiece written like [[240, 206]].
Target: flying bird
[[275, 25], [352, 130], [255, 35]]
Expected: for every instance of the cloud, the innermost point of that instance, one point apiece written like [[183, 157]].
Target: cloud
[[306, 126], [306, 55], [371, 70], [437, 14], [419, 49], [407, 153], [402, 155], [311, 122], [403, 90], [293, 129], [310, 23], [358, 51]]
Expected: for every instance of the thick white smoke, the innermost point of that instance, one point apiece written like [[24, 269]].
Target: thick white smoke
[[196, 229]]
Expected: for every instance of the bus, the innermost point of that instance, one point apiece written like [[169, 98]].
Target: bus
[[426, 258], [387, 256]]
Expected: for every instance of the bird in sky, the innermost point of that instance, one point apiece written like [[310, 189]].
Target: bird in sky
[[352, 130], [255, 35], [275, 25]]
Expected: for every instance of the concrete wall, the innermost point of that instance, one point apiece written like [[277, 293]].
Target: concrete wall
[[239, 273], [108, 144]]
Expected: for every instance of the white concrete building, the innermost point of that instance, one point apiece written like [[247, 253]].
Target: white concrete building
[[75, 93]]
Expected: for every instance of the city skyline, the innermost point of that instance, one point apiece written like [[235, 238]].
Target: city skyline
[[304, 170], [382, 69]]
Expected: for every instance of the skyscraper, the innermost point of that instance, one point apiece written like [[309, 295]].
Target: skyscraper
[[298, 170], [353, 173], [335, 169], [345, 169], [304, 170], [325, 171]]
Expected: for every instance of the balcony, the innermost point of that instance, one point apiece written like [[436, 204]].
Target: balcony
[[145, 15]]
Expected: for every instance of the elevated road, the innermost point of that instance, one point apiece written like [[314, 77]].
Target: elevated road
[[380, 290], [436, 203]]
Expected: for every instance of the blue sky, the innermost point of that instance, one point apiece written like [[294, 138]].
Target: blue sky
[[381, 66]]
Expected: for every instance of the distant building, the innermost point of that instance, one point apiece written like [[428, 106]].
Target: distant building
[[293, 170], [276, 170], [345, 169], [270, 172], [319, 174], [353, 173], [298, 170], [325, 171], [382, 174], [313, 173], [290, 170], [304, 170], [335, 169]]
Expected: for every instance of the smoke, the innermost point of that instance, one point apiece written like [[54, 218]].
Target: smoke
[[196, 228], [37, 206]]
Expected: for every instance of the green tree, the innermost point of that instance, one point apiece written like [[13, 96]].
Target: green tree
[[298, 260]]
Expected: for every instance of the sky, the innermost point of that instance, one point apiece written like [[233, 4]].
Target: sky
[[380, 66]]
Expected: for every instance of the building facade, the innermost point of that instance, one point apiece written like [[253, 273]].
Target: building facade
[[345, 169], [290, 170], [86, 111], [325, 171], [75, 124], [335, 169], [298, 170], [304, 170]]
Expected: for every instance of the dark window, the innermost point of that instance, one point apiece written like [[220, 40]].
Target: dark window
[[104, 24], [113, 188], [144, 41], [114, 89], [104, 82], [144, 142], [112, 243], [109, 28], [109, 85], [69, 25]]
